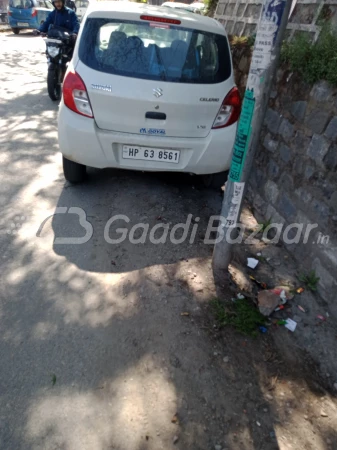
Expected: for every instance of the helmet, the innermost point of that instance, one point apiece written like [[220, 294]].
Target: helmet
[[63, 2]]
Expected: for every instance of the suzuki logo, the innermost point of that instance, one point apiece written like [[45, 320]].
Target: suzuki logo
[[157, 92]]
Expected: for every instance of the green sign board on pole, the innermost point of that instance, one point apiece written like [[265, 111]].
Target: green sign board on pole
[[242, 136]]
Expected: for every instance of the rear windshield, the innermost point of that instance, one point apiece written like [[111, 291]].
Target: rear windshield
[[21, 4], [154, 52]]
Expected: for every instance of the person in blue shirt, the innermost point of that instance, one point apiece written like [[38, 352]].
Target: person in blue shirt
[[61, 16]]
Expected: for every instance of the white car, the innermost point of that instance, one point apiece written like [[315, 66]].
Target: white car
[[177, 5], [194, 7], [197, 7], [81, 7], [148, 89]]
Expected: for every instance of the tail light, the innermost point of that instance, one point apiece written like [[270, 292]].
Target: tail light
[[34, 12], [75, 95], [230, 110]]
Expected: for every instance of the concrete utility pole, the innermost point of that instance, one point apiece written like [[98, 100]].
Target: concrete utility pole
[[269, 37]]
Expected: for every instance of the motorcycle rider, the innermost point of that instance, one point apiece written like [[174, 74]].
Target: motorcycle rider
[[61, 16]]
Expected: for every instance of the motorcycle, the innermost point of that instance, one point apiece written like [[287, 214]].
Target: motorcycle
[[59, 50]]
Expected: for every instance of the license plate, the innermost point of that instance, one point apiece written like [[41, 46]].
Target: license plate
[[151, 154], [23, 24]]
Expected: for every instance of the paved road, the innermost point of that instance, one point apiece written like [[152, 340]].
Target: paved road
[[94, 353]]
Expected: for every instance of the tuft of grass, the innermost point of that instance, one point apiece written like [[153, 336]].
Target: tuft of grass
[[251, 40], [241, 314], [314, 61], [239, 40], [264, 225], [310, 280]]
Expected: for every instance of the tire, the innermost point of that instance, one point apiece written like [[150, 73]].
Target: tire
[[54, 88], [215, 180], [16, 30], [73, 172]]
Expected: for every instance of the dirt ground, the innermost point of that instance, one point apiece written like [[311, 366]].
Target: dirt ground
[[115, 346]]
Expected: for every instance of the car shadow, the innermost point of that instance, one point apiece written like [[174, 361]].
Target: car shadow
[[135, 220], [22, 35]]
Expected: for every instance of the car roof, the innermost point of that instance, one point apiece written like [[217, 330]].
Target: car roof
[[177, 6], [133, 11], [174, 4]]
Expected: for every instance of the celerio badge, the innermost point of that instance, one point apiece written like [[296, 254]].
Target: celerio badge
[[102, 87], [204, 99]]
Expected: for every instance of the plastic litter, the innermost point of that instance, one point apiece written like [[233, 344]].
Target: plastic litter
[[301, 308], [291, 325], [283, 296], [252, 263], [321, 317], [300, 290], [240, 296], [279, 308], [263, 329], [281, 322], [283, 293]]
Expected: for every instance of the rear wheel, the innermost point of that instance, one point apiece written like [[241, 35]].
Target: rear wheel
[[215, 180], [54, 88], [16, 30], [73, 171]]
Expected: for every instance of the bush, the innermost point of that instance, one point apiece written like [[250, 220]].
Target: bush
[[314, 61]]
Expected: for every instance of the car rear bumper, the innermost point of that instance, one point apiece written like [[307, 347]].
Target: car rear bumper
[[18, 23], [80, 140]]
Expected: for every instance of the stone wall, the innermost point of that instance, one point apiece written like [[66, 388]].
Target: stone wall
[[294, 179]]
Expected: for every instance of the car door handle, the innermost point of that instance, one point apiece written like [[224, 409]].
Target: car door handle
[[155, 115]]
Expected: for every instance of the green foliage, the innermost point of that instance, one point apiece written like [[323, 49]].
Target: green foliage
[[310, 280], [264, 225], [241, 41], [241, 314], [251, 40], [210, 7], [314, 61]]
